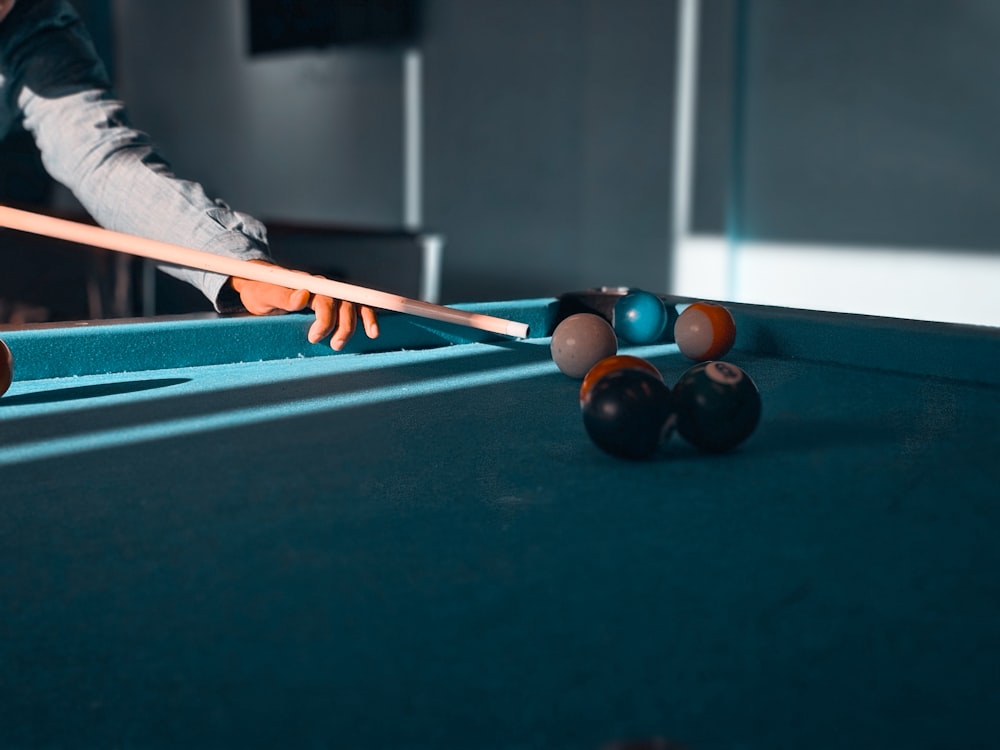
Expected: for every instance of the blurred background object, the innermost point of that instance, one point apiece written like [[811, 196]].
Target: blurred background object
[[835, 154]]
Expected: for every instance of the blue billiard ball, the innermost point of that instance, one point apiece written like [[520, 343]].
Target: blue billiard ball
[[640, 317]]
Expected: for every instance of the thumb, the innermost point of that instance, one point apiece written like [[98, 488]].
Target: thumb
[[262, 299]]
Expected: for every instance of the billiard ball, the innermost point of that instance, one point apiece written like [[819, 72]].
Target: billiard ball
[[705, 331], [610, 364], [6, 367], [628, 413], [718, 406], [581, 341], [640, 317]]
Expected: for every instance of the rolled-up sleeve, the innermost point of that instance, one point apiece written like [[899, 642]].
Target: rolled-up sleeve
[[54, 79]]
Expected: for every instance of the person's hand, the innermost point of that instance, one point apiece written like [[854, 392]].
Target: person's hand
[[334, 318]]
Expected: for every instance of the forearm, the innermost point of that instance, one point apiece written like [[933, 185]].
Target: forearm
[[57, 82], [124, 185]]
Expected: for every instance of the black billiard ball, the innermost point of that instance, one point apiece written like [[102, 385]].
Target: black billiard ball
[[581, 341], [6, 367], [610, 364], [628, 413], [718, 406]]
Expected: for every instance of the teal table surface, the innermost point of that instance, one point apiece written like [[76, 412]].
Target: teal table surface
[[215, 534]]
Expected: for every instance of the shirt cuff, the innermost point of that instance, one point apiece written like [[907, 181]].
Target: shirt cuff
[[216, 286]]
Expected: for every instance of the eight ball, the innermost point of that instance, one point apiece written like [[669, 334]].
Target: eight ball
[[718, 406]]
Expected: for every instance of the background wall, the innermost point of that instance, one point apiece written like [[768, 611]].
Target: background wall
[[869, 123], [853, 164], [548, 142], [548, 129], [309, 136]]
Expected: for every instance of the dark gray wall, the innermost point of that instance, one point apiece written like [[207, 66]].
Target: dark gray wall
[[864, 122], [549, 142], [310, 136], [548, 127], [547, 131]]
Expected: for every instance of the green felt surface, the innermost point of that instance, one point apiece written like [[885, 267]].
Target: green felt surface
[[421, 548]]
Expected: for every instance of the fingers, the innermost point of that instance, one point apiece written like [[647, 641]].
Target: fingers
[[326, 319], [339, 320], [334, 318], [370, 321], [260, 298], [266, 299], [297, 300], [347, 321]]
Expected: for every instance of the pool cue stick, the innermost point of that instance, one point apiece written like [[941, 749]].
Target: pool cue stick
[[164, 252]]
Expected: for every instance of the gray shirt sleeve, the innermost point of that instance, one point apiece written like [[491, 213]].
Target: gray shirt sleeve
[[52, 80]]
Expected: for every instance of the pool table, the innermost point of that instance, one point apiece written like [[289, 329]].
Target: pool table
[[213, 533]]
